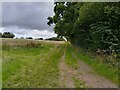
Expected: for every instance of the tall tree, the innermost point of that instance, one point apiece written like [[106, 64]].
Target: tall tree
[[90, 25]]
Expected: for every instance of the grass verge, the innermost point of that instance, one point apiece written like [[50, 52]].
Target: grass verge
[[69, 59], [78, 83], [110, 73]]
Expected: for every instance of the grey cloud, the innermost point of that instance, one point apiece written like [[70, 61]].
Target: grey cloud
[[27, 14], [0, 15], [21, 32]]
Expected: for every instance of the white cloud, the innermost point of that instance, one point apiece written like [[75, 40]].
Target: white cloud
[[42, 33], [21, 32], [1, 29]]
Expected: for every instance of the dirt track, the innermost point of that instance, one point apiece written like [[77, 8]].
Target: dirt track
[[83, 73]]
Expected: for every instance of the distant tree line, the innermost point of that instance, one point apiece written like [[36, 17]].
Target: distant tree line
[[39, 38], [29, 38], [55, 39], [11, 35], [7, 35]]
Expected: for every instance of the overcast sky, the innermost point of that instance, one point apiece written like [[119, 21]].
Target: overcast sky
[[27, 18]]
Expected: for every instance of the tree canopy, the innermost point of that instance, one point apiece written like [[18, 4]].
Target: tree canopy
[[90, 25], [8, 35], [0, 34]]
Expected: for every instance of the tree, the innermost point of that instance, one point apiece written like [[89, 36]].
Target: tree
[[90, 25], [39, 38], [22, 38], [50, 21], [55, 39], [29, 38], [8, 35], [0, 35]]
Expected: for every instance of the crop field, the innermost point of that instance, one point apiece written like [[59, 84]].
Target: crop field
[[52, 64]]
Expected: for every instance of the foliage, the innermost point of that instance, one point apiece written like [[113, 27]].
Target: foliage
[[55, 39], [22, 38], [0, 34], [39, 39], [50, 20], [8, 35], [90, 25], [29, 38]]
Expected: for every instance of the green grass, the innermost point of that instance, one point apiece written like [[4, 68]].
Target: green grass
[[78, 83], [0, 63], [33, 67], [105, 70], [34, 64], [69, 59]]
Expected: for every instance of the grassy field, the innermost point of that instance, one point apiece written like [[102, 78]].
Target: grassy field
[[30, 64]]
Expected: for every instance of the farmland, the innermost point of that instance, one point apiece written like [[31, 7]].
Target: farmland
[[52, 64]]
